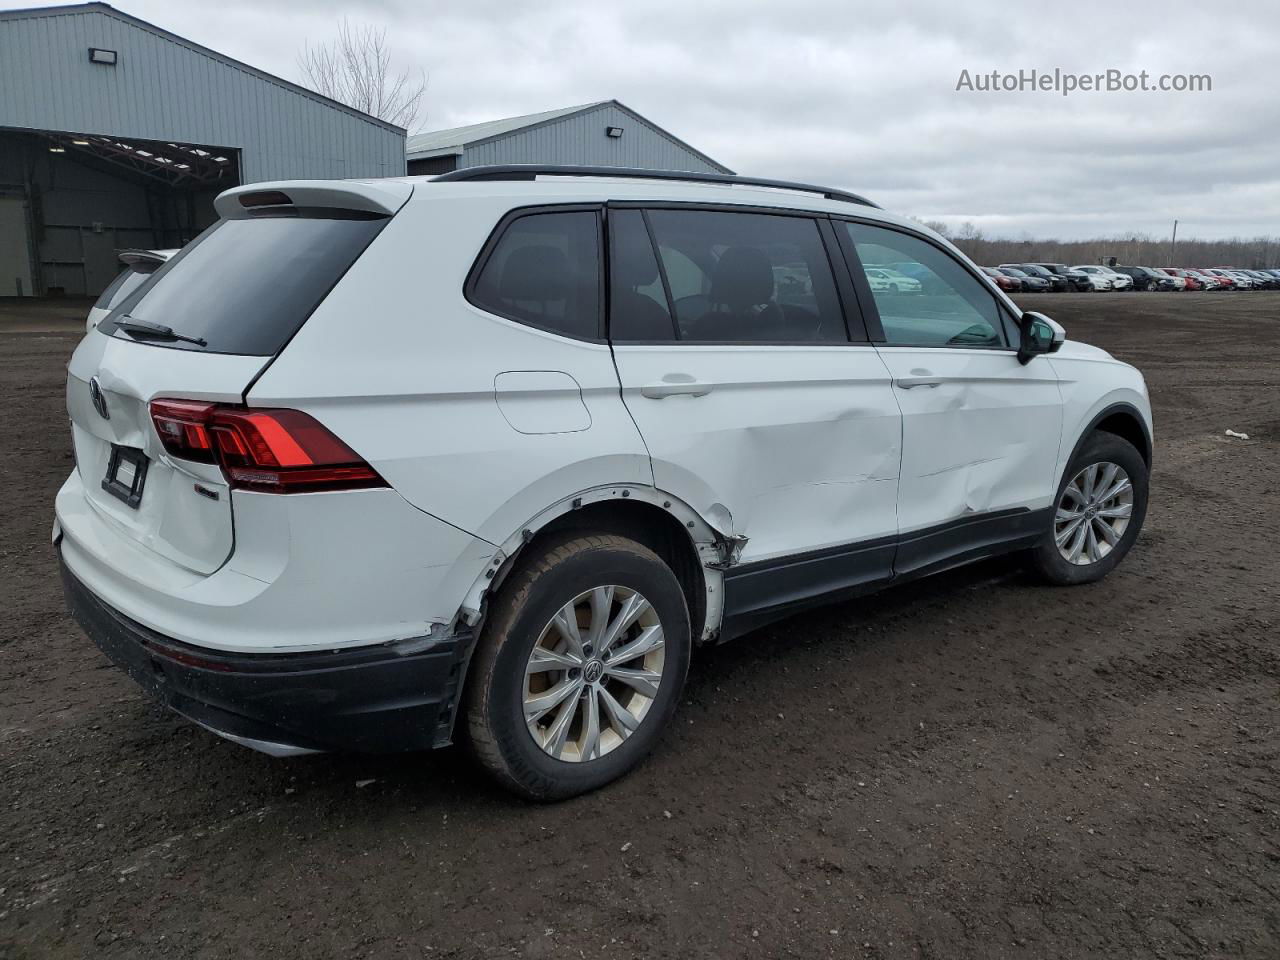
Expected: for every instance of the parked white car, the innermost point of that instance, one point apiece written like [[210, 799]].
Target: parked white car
[[1119, 281], [1100, 279], [892, 280], [139, 265], [371, 465]]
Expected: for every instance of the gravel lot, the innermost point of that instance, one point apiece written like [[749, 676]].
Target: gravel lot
[[969, 766]]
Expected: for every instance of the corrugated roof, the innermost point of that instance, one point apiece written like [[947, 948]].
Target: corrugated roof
[[104, 8], [436, 142]]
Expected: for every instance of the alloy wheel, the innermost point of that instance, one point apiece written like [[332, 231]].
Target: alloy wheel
[[593, 674], [1093, 513]]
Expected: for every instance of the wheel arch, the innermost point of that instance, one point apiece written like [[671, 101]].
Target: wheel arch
[[1122, 419], [695, 550]]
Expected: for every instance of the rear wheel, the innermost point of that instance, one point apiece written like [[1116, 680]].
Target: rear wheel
[[579, 667], [1101, 504]]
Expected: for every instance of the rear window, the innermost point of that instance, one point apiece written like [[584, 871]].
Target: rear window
[[246, 286]]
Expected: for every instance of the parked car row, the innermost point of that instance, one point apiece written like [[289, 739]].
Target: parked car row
[[1228, 278], [1091, 277]]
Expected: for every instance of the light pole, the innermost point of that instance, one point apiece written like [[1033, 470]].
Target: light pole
[[1173, 246]]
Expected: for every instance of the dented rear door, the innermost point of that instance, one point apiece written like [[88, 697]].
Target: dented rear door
[[758, 405]]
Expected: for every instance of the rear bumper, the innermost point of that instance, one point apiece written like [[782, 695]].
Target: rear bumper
[[371, 699]]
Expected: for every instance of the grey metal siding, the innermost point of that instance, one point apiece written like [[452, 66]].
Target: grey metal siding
[[163, 89], [580, 139]]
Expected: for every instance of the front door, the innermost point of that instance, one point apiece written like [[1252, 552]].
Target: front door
[[758, 405], [980, 430]]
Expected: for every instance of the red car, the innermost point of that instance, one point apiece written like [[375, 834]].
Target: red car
[[1006, 283], [1192, 282], [1225, 280]]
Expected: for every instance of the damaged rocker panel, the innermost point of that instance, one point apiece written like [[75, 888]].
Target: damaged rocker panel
[[762, 591]]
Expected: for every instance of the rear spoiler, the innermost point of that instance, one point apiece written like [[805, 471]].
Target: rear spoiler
[[379, 197], [130, 257]]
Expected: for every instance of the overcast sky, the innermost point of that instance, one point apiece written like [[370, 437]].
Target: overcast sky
[[859, 95]]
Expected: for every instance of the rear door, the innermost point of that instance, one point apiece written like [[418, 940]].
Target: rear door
[[235, 296], [980, 430], [760, 405]]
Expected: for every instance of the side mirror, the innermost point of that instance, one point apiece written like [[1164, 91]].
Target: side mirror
[[1039, 335]]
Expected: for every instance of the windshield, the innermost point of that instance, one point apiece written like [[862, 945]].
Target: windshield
[[246, 286]]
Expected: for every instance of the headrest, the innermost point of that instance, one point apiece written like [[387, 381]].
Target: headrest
[[742, 278], [539, 272]]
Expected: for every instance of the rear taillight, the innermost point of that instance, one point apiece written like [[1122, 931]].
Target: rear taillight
[[270, 451], [183, 426]]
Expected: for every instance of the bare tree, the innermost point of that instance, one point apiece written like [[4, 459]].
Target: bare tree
[[356, 69]]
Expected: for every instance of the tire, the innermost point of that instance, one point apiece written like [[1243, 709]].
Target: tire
[[567, 571], [1152, 286], [1047, 560]]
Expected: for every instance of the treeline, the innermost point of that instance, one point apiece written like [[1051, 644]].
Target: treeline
[[1253, 253]]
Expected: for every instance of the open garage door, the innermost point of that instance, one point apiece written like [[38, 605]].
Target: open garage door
[[89, 196]]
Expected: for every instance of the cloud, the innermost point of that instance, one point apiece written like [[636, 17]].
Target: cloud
[[859, 95]]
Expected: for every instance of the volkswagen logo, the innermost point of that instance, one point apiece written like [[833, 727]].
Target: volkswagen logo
[[99, 400]]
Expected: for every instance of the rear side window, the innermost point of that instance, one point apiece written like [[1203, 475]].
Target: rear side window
[[746, 277], [544, 271], [246, 286]]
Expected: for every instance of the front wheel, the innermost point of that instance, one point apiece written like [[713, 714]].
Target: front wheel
[[1101, 504], [578, 668]]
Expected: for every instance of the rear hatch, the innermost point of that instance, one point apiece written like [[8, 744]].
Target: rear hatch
[[202, 328]]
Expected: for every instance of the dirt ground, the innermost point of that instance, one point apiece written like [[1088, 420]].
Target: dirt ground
[[969, 766]]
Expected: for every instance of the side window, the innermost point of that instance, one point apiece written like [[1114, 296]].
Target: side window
[[637, 300], [545, 271], [685, 277], [925, 298], [743, 277]]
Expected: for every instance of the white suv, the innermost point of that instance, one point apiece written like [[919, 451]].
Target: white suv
[[374, 465]]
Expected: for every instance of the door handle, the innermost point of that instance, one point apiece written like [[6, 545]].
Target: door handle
[[675, 385], [908, 383]]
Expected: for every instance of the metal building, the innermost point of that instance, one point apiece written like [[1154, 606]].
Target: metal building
[[605, 133], [115, 133]]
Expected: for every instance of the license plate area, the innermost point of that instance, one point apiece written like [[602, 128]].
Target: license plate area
[[126, 475]]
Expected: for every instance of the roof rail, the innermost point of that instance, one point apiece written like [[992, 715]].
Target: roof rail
[[531, 171]]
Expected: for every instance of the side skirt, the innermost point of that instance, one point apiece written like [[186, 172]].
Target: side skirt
[[759, 593]]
